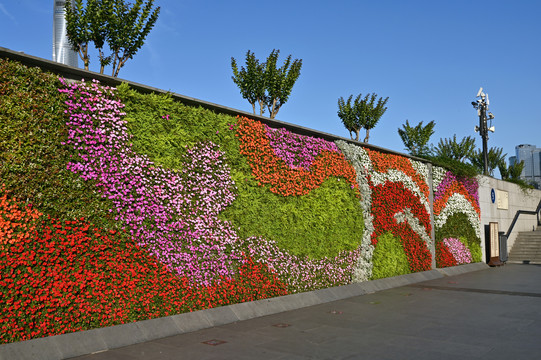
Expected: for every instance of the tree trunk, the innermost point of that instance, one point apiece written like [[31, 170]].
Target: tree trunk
[[261, 107], [274, 110], [83, 54], [357, 134], [367, 135]]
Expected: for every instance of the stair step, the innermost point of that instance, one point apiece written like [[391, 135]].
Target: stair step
[[527, 247]]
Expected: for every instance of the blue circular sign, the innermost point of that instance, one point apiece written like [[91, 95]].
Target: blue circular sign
[[493, 196]]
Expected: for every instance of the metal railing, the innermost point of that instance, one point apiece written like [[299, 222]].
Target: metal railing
[[525, 212]]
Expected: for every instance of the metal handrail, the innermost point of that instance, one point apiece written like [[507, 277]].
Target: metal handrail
[[526, 212]]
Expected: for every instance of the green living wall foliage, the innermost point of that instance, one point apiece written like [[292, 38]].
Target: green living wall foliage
[[199, 209], [32, 155], [320, 224], [389, 258], [163, 128]]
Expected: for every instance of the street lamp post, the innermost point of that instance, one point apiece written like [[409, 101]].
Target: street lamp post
[[481, 106]]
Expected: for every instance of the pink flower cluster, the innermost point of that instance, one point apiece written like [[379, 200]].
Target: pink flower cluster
[[297, 151], [302, 273], [460, 252], [174, 215], [471, 186]]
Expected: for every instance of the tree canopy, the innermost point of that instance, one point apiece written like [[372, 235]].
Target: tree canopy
[[495, 158], [122, 26], [454, 150], [264, 83], [416, 138], [361, 113]]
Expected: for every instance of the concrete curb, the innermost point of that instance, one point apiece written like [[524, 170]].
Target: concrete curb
[[91, 341]]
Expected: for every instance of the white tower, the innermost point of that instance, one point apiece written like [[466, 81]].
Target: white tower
[[62, 51]]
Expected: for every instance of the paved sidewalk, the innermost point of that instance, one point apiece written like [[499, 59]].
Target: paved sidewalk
[[493, 313]]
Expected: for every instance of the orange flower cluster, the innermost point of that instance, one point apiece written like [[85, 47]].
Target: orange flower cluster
[[455, 188], [15, 224], [383, 162], [284, 180]]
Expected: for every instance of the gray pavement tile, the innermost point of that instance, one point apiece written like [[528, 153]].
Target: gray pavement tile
[[513, 351], [151, 351], [439, 355], [106, 355], [242, 351], [456, 348]]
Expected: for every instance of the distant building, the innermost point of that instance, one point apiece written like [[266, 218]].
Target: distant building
[[62, 51], [531, 155]]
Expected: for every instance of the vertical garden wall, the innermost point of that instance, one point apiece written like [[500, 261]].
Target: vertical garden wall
[[117, 206]]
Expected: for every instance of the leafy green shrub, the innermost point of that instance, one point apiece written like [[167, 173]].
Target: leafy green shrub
[[389, 258], [162, 127], [326, 221], [32, 158]]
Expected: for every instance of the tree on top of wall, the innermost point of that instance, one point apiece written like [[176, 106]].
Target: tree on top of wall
[[264, 83], [494, 156], [123, 26], [361, 113], [454, 150], [416, 138]]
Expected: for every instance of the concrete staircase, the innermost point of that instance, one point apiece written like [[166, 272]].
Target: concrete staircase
[[527, 248]]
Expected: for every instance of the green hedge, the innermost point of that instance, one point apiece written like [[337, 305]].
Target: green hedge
[[32, 158], [389, 258], [321, 224]]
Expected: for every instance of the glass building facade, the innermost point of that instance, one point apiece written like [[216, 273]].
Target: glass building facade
[[62, 51], [531, 155]]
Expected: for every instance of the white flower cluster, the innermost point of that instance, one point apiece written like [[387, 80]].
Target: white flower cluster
[[413, 222], [364, 266], [363, 166], [458, 203], [438, 173], [421, 168]]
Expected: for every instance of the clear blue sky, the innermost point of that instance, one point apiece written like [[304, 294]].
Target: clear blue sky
[[428, 57]]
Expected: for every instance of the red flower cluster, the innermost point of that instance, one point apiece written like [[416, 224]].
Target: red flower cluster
[[69, 276], [270, 169], [389, 199], [254, 282], [15, 223], [444, 257]]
